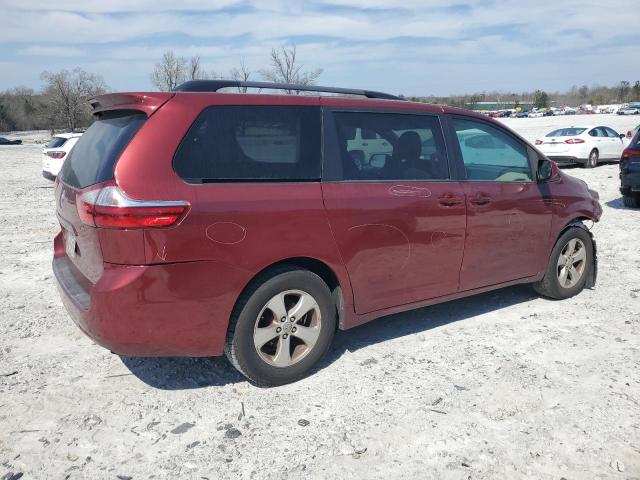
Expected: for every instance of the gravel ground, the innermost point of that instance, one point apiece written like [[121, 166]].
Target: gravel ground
[[501, 385]]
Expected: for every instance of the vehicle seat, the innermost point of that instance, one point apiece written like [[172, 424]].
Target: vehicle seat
[[406, 156]]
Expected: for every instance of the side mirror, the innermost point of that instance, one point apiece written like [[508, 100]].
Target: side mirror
[[622, 135], [545, 170]]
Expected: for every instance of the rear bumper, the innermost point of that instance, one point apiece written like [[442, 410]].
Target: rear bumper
[[629, 182], [178, 309]]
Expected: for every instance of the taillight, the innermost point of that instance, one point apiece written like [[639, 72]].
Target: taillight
[[572, 141], [56, 154], [630, 152], [108, 207], [539, 142]]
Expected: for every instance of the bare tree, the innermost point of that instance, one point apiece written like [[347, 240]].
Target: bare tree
[[170, 72], [241, 74], [623, 89], [194, 70], [285, 68], [67, 94]]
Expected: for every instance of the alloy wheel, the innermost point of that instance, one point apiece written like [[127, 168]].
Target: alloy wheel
[[571, 263], [287, 328]]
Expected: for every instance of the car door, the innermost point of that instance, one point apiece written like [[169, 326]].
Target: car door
[[617, 143], [398, 220], [508, 219], [600, 141]]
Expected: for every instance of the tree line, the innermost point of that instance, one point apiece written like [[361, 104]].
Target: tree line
[[62, 103], [622, 92]]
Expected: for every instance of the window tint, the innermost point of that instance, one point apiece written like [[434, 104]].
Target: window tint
[[610, 132], [397, 147], [566, 132], [56, 142], [490, 154], [598, 132], [252, 143], [93, 158]]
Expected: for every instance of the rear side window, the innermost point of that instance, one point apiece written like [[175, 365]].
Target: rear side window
[[395, 147], [56, 142], [94, 156], [251, 144], [610, 132], [489, 154]]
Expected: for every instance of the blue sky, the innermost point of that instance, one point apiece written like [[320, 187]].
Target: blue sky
[[415, 47]]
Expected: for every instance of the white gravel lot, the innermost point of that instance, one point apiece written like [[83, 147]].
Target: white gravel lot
[[501, 385]]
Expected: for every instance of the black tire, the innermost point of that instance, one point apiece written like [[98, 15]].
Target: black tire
[[550, 286], [592, 161], [239, 347], [632, 200]]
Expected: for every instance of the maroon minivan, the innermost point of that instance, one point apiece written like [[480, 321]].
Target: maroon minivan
[[196, 223]]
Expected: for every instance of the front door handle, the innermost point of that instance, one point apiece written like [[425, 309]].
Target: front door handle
[[450, 200], [480, 199]]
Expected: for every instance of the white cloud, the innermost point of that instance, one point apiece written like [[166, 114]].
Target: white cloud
[[420, 43], [40, 51]]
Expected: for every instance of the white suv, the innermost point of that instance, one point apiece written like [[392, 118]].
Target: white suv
[[55, 152]]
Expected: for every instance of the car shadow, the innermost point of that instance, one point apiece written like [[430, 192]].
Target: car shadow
[[189, 373], [618, 204], [425, 319], [571, 166]]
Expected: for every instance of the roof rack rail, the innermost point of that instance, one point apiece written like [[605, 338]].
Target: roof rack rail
[[215, 85]]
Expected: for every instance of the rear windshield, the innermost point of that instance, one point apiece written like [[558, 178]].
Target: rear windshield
[[56, 142], [566, 132], [93, 158]]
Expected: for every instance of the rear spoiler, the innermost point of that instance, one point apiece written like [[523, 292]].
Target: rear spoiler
[[147, 102]]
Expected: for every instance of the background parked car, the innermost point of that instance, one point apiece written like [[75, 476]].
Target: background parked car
[[55, 152], [6, 141], [630, 173], [585, 145], [631, 109]]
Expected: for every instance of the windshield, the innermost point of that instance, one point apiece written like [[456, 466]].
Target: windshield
[[56, 142], [94, 156], [566, 132]]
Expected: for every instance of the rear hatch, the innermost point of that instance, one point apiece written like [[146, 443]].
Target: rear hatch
[[52, 150], [555, 145], [90, 163], [630, 163]]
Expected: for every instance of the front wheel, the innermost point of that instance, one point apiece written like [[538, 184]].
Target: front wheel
[[570, 264], [281, 327]]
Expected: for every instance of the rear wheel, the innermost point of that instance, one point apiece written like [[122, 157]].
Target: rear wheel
[[592, 161], [282, 327], [570, 264], [631, 200]]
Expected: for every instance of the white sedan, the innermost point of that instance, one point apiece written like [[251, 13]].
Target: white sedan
[[55, 152], [586, 145]]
